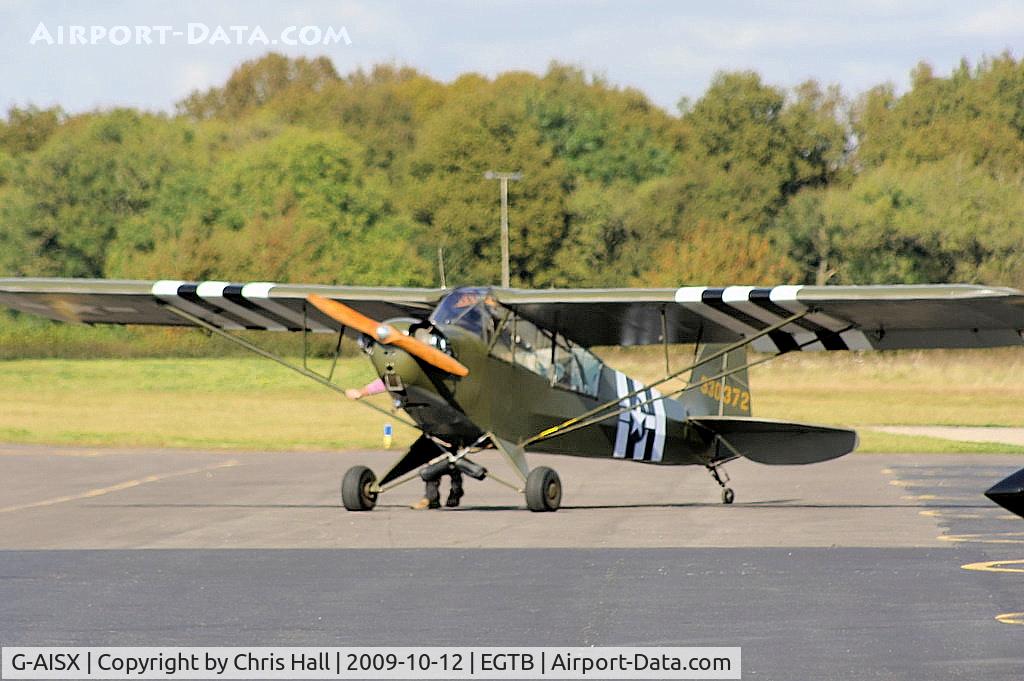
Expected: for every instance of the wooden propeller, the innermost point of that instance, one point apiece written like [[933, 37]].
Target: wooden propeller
[[387, 334]]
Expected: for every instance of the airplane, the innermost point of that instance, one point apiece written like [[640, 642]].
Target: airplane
[[481, 367]]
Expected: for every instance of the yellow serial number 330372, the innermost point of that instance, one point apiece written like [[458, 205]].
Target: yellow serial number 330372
[[729, 395]]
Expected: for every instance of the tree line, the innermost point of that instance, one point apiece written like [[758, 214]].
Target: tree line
[[291, 171]]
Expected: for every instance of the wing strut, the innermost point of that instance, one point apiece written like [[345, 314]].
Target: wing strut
[[601, 413], [326, 382], [586, 417], [664, 339]]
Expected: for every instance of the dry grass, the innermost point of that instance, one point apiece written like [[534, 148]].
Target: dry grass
[[252, 403], [234, 403], [976, 388], [876, 442]]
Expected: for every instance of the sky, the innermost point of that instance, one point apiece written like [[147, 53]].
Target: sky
[[668, 50]]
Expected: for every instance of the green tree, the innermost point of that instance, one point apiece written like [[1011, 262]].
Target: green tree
[[296, 206], [91, 177], [483, 126], [975, 113], [946, 221], [27, 129], [602, 133], [257, 82]]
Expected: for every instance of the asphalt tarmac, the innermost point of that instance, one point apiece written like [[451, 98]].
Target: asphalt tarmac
[[851, 569]]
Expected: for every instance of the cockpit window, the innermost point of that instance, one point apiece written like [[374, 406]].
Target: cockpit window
[[547, 354], [467, 308], [513, 339]]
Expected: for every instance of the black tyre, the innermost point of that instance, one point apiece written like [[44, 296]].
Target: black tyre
[[728, 495], [355, 489], [543, 490]]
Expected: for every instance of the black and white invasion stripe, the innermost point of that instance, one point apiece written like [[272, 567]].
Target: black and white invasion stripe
[[748, 310], [235, 306], [640, 432]]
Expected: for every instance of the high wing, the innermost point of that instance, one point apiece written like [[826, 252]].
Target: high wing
[[258, 306], [837, 317]]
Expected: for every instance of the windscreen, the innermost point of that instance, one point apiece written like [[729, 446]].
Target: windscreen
[[465, 307]]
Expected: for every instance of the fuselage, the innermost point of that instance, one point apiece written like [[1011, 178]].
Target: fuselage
[[524, 379]]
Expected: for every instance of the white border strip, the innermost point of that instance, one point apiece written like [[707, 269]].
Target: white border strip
[[213, 293], [259, 293], [167, 291], [690, 297]]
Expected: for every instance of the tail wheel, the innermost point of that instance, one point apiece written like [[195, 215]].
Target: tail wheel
[[355, 489], [728, 495], [543, 490]]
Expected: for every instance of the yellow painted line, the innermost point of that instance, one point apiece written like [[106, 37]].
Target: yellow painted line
[[941, 513], [932, 513], [86, 454], [988, 538], [995, 566], [886, 471], [934, 497], [1001, 566], [914, 483], [128, 484]]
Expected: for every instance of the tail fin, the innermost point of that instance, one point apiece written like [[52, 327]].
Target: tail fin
[[728, 396]]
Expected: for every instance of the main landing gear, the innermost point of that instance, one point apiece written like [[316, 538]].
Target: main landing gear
[[542, 487], [728, 496], [543, 490], [358, 489]]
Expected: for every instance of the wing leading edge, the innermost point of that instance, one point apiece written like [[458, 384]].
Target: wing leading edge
[[263, 306], [835, 317]]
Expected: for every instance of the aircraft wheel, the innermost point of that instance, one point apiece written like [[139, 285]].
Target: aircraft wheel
[[543, 490], [355, 489], [728, 495]]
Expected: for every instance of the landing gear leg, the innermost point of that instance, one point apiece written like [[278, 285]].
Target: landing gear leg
[[727, 494], [542, 486]]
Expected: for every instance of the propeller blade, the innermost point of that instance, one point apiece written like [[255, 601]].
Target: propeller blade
[[427, 353], [387, 334], [345, 315]]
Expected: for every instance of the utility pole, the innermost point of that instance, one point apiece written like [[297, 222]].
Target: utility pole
[[504, 177]]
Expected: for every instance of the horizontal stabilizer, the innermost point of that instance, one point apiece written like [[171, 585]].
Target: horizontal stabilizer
[[778, 443]]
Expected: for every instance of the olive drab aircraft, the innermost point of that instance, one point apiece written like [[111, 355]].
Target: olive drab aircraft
[[478, 368]]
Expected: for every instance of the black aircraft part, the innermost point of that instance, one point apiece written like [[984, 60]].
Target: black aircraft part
[[435, 470], [471, 468], [423, 450], [1009, 493]]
